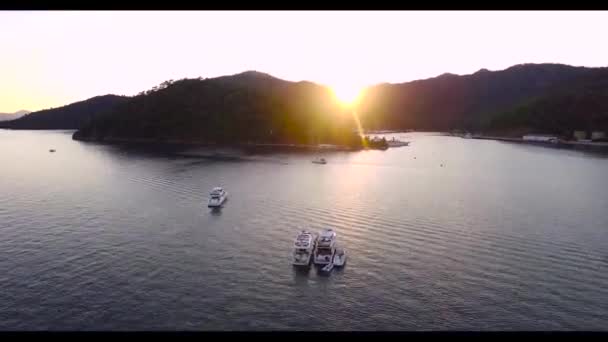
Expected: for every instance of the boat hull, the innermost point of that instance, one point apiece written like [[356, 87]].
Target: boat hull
[[302, 262]]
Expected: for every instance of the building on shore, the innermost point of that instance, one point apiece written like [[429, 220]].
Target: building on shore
[[541, 138], [596, 135], [580, 135]]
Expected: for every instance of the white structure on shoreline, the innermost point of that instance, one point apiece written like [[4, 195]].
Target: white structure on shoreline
[[580, 135], [541, 138]]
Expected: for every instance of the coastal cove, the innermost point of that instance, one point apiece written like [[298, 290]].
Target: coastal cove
[[122, 235], [376, 171]]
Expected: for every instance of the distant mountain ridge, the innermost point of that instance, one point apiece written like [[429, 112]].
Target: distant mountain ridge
[[71, 116], [578, 105], [462, 102], [13, 116], [255, 106]]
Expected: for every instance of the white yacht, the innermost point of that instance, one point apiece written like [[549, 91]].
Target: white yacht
[[217, 197], [326, 247], [303, 248], [320, 161]]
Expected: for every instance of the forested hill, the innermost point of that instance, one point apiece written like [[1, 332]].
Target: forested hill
[[468, 102], [578, 105], [247, 107]]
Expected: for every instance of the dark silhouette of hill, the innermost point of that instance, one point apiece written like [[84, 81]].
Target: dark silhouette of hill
[[254, 107], [578, 105], [451, 102], [250, 107], [71, 116]]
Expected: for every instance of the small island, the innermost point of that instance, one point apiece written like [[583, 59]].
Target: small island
[[247, 109]]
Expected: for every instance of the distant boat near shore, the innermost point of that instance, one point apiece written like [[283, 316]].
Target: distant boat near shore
[[397, 143]]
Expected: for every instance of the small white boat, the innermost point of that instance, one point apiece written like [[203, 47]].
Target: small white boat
[[339, 257], [326, 247], [320, 161], [217, 197], [303, 248], [327, 268]]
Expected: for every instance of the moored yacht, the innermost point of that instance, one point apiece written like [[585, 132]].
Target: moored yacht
[[326, 247], [319, 161], [217, 197], [303, 248]]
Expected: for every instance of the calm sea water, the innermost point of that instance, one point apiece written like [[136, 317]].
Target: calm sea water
[[501, 237]]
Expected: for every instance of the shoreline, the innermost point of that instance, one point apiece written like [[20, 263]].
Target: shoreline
[[192, 144], [586, 145]]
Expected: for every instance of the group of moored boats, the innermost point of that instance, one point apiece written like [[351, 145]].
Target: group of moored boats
[[321, 249]]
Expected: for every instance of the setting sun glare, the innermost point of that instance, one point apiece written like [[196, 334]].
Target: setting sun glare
[[347, 95]]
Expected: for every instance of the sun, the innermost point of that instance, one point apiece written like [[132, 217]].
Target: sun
[[347, 94]]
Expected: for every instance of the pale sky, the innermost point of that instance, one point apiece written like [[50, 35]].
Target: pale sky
[[49, 59]]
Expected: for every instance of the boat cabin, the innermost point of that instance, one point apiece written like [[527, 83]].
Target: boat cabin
[[304, 240], [327, 238], [217, 192]]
